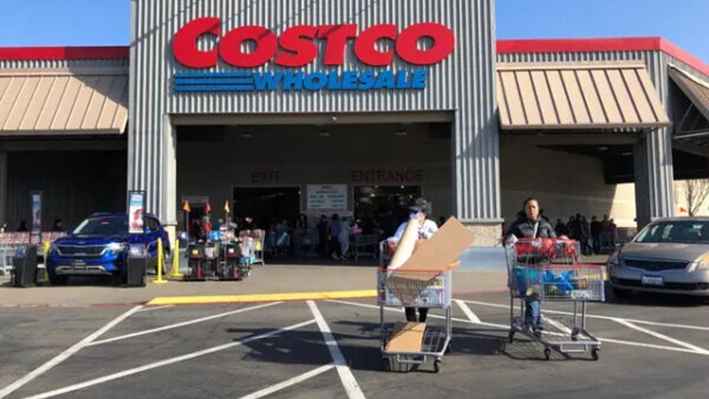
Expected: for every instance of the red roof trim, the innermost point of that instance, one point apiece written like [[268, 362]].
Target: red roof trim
[[503, 47], [63, 53], [600, 45]]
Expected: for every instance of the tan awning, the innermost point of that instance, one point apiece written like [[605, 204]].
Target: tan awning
[[578, 96], [63, 102], [696, 90]]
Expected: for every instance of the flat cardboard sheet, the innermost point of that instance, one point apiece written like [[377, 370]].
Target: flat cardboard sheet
[[431, 258], [406, 337], [441, 251]]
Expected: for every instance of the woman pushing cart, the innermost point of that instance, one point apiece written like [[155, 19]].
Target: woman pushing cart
[[543, 268]]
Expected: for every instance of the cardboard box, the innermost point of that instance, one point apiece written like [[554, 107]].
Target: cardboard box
[[406, 337]]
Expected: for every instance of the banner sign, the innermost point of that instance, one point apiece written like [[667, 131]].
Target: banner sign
[[36, 207], [326, 198], [136, 212], [297, 47]]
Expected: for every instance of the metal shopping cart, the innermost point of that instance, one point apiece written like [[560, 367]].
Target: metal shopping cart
[[412, 343], [549, 270]]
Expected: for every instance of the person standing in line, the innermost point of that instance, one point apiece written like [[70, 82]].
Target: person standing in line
[[335, 247], [419, 211]]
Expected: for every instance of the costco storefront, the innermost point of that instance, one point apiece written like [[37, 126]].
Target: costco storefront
[[301, 93], [278, 108]]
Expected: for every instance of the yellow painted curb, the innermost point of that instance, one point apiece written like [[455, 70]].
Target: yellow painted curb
[[292, 296]]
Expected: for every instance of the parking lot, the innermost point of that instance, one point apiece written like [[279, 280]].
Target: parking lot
[[330, 349]]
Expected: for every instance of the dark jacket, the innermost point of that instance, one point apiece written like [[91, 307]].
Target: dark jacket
[[524, 228]]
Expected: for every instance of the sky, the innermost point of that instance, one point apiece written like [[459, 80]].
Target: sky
[[107, 22]]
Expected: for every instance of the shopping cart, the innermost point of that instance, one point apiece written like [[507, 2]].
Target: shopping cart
[[549, 270], [412, 343]]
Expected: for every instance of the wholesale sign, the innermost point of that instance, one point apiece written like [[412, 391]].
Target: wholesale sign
[[297, 47]]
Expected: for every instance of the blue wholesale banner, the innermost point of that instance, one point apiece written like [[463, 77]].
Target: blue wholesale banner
[[295, 81]]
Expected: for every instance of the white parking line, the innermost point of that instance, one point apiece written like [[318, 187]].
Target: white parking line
[[66, 354], [149, 308], [471, 315], [364, 305], [507, 327], [594, 316], [556, 324], [288, 383], [343, 370], [186, 323], [136, 370], [663, 337]]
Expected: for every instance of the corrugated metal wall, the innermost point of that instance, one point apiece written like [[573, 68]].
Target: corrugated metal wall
[[60, 64], [463, 83], [654, 160]]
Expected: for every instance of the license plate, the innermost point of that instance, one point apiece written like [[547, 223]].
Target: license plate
[[78, 264], [653, 280]]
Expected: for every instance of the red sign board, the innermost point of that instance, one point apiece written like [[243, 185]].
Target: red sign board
[[296, 46]]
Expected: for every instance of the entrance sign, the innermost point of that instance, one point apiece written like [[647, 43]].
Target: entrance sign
[[297, 47], [326, 198], [136, 212]]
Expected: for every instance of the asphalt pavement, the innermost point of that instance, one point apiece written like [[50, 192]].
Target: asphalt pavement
[[651, 348]]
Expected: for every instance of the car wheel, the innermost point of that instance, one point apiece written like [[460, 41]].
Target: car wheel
[[622, 294]]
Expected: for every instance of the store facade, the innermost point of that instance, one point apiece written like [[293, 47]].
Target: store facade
[[303, 64], [352, 106]]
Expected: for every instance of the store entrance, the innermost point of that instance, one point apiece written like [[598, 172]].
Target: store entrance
[[384, 205], [267, 205]]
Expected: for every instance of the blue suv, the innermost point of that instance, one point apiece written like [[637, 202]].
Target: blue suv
[[99, 246]]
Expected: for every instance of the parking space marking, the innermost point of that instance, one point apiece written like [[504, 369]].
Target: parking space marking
[[149, 308], [286, 296], [471, 315], [557, 325], [166, 362], [365, 305], [182, 324], [507, 327], [662, 336], [293, 381], [66, 354], [343, 370], [595, 316]]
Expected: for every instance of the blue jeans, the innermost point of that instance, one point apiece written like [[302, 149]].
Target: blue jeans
[[533, 314]]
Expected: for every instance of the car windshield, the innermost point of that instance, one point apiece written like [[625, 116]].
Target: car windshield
[[103, 226], [676, 231]]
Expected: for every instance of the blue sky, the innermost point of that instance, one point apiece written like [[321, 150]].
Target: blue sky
[[107, 22]]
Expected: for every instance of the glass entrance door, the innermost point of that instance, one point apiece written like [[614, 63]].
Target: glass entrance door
[[383, 206]]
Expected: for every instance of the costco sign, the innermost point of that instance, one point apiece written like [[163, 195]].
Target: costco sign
[[297, 47]]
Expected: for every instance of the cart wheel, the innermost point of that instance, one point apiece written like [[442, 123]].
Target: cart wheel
[[437, 366], [575, 334], [596, 353], [547, 353], [386, 366], [512, 336]]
